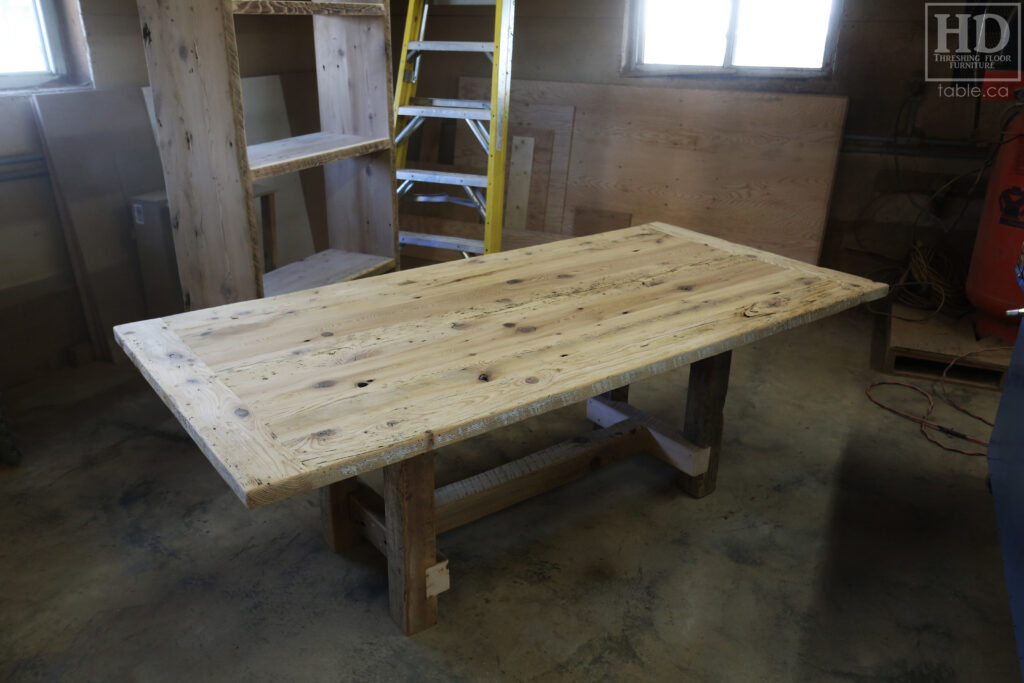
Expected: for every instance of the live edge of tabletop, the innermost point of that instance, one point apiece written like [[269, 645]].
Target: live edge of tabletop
[[296, 392]]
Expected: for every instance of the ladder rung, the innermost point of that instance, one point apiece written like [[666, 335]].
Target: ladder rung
[[442, 177], [449, 46], [446, 112], [462, 2], [421, 239], [307, 7], [442, 102]]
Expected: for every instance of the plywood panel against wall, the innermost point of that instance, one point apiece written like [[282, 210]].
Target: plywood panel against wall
[[101, 152], [756, 168], [550, 127], [31, 244]]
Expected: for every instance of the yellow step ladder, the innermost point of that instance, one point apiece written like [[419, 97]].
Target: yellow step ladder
[[411, 111]]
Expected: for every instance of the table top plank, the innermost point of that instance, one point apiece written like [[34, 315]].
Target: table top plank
[[344, 379], [221, 424]]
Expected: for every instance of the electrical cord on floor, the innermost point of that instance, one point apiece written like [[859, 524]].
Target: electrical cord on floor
[[924, 423]]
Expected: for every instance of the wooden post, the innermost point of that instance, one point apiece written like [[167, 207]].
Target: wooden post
[[621, 394], [411, 541], [268, 215], [339, 529], [705, 404]]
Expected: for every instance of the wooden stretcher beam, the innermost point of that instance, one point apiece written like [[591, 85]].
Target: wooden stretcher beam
[[486, 493], [366, 507], [669, 443]]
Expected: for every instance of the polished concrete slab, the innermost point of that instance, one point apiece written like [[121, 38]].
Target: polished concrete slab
[[840, 546]]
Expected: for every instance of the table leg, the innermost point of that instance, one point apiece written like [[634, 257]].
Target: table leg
[[705, 404], [621, 394], [411, 541], [339, 528]]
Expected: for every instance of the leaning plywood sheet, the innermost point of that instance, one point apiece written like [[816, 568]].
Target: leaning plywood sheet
[[755, 168], [298, 391], [101, 152], [550, 129]]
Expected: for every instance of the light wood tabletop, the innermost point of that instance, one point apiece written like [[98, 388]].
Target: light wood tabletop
[[296, 392]]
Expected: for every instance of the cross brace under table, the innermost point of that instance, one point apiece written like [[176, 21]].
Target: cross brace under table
[[405, 522]]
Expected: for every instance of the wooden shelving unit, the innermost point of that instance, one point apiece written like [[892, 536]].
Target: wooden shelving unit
[[192, 56]]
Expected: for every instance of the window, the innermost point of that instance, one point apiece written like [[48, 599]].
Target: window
[[747, 37], [33, 50]]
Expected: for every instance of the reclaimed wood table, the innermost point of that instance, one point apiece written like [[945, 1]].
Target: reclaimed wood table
[[309, 390]]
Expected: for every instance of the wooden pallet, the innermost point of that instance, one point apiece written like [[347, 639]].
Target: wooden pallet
[[924, 349]]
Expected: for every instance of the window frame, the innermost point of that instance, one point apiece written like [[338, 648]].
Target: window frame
[[64, 36], [633, 43]]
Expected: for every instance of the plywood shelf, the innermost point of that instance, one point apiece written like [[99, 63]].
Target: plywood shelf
[[324, 268], [306, 7], [279, 157]]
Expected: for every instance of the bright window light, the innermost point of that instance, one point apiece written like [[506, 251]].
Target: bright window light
[[686, 32], [735, 33], [23, 44], [794, 38]]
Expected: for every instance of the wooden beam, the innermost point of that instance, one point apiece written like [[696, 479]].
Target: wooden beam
[[411, 541], [470, 499], [192, 56], [339, 529], [621, 394], [668, 443], [367, 511], [704, 422], [354, 85]]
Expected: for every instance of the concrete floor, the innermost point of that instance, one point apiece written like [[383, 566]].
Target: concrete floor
[[840, 546]]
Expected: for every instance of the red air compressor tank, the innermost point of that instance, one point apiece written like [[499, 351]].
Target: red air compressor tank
[[992, 282]]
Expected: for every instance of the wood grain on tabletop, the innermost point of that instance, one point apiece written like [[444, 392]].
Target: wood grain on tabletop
[[294, 392]]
